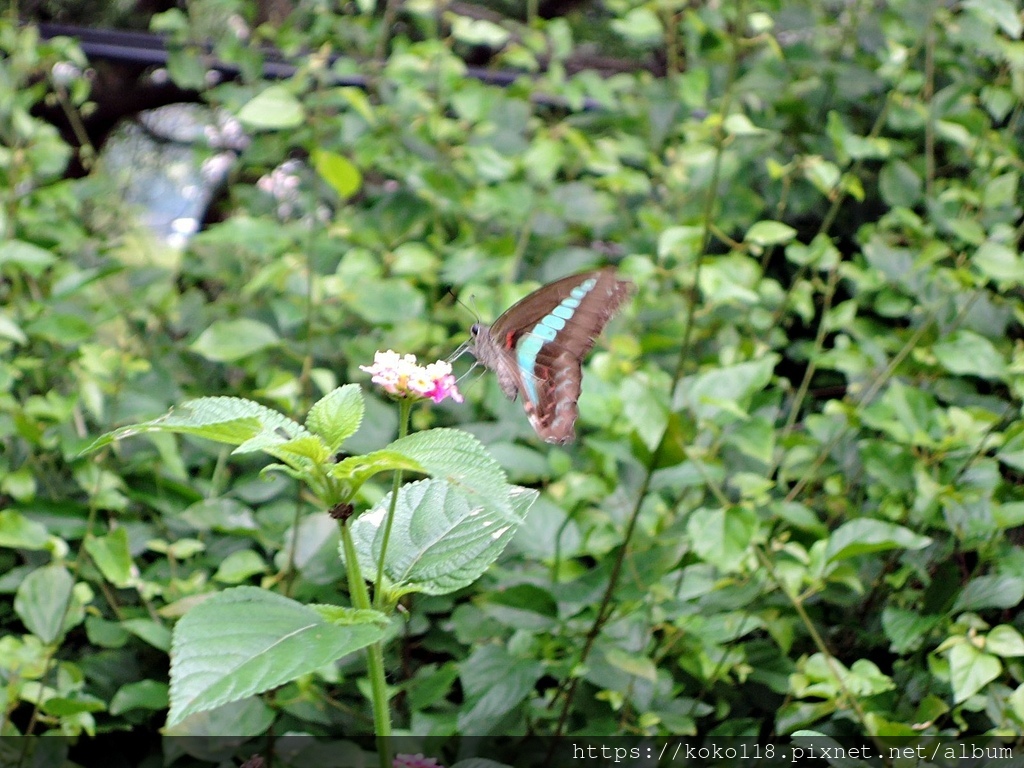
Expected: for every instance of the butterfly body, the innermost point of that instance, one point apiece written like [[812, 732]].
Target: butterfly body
[[536, 348]]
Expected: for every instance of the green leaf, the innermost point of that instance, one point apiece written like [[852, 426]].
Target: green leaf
[[722, 537], [899, 184], [297, 452], [1003, 13], [990, 592], [229, 340], [10, 330], [356, 470], [970, 354], [231, 420], [26, 256], [493, 683], [738, 124], [441, 539], [639, 26], [431, 684], [149, 631], [800, 516], [1004, 641], [144, 694], [459, 458], [478, 32], [724, 389], [187, 68], [337, 415], [273, 109], [970, 670], [112, 556], [387, 302], [343, 616], [240, 566], [18, 532], [821, 173], [769, 233], [42, 602], [862, 536], [338, 171], [220, 654], [999, 262], [65, 706], [632, 664], [61, 328], [644, 403], [682, 242], [906, 629]]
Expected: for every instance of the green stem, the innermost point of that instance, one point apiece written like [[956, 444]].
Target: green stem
[[374, 653], [361, 599], [404, 407]]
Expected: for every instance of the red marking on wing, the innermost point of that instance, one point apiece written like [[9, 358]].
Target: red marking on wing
[[510, 339]]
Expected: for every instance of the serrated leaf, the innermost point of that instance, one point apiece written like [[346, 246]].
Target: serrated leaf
[[337, 415], [859, 537], [226, 341], [311, 447], [459, 458], [274, 108], [344, 616], [356, 470], [442, 539], [220, 654], [231, 420]]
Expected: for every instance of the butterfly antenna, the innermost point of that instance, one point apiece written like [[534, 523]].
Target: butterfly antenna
[[471, 310]]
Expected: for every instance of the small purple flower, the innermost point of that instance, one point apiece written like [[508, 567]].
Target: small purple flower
[[415, 761], [403, 377]]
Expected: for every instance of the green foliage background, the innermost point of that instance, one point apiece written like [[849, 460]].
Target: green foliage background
[[797, 495]]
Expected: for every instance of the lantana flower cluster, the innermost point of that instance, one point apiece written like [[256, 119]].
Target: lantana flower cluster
[[402, 376]]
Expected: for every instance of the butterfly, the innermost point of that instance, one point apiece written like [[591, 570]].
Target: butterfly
[[537, 346]]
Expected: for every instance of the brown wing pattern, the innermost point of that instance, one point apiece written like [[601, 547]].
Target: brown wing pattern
[[558, 373], [558, 388]]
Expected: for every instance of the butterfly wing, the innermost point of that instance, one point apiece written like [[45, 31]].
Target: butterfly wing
[[537, 347]]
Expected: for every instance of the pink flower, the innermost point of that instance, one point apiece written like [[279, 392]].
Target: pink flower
[[415, 761], [402, 376]]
